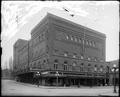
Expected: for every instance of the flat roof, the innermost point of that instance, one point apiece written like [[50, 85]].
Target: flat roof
[[76, 24], [68, 21]]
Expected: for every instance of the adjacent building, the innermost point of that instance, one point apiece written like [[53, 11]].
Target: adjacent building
[[63, 53]]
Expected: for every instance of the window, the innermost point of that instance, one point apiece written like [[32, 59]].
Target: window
[[101, 60], [65, 65], [81, 57], [55, 64], [101, 68], [82, 67], [80, 40], [86, 42], [75, 39], [67, 37], [95, 68], [73, 65], [89, 67], [83, 41], [72, 38], [90, 43], [74, 55], [93, 44], [66, 54], [55, 51], [95, 59], [89, 58]]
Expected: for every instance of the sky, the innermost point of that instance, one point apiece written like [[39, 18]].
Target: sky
[[20, 17]]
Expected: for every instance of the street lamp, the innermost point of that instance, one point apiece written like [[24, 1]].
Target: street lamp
[[95, 69], [114, 69], [57, 74], [38, 75], [101, 81]]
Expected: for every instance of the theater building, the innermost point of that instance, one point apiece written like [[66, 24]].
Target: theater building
[[63, 53]]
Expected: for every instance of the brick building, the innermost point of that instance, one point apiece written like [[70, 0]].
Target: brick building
[[63, 52]]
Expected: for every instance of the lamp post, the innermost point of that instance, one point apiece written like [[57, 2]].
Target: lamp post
[[114, 69], [101, 70], [57, 74], [95, 69], [38, 75]]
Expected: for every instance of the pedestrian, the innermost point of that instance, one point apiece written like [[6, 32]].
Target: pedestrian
[[38, 83]]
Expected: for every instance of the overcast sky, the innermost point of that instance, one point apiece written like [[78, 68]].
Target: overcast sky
[[18, 18]]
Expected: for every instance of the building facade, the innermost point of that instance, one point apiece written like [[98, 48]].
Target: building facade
[[63, 52]]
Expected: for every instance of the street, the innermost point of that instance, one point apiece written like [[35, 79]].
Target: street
[[11, 88]]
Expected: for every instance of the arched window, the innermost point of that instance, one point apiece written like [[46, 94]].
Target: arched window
[[55, 51], [82, 66], [80, 40], [95, 67], [55, 64], [83, 41], [72, 38], [65, 65], [81, 57], [74, 65], [74, 55], [39, 64], [89, 67], [75, 39], [101, 68], [67, 37], [66, 54], [86, 42]]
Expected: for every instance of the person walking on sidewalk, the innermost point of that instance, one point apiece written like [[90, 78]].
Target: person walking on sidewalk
[[38, 83]]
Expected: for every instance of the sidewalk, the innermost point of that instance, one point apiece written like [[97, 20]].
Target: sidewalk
[[64, 87], [17, 88], [109, 94]]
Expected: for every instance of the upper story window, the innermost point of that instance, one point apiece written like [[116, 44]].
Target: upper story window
[[101, 60], [73, 65], [86, 42], [56, 64], [74, 55], [39, 64], [65, 65], [80, 40], [89, 58], [81, 57], [67, 37], [93, 44], [95, 68], [65, 54], [101, 68], [55, 51], [95, 59], [82, 66], [72, 38], [83, 41], [90, 43], [75, 39], [89, 67]]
